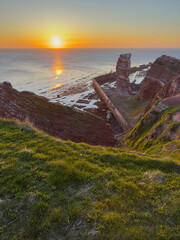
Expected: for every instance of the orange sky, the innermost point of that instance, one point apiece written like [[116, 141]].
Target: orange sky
[[81, 24]]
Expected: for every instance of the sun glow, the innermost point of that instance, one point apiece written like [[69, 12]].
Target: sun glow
[[59, 71], [56, 42]]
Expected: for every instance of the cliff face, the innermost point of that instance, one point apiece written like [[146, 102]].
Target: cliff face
[[158, 76], [54, 119], [170, 89]]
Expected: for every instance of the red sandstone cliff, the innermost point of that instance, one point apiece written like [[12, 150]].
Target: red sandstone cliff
[[55, 119], [170, 89], [158, 76]]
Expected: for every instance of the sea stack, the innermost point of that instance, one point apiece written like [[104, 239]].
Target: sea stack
[[122, 74]]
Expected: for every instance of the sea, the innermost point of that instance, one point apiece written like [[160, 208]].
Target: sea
[[65, 75]]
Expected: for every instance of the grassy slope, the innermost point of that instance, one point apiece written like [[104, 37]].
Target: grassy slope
[[50, 189], [155, 136]]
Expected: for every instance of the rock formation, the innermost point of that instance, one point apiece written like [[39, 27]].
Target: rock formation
[[161, 106], [122, 74], [54, 119], [160, 125], [167, 102], [170, 89], [160, 73]]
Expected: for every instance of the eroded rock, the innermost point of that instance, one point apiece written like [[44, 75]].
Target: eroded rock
[[170, 89], [54, 119], [167, 102], [123, 68], [160, 73]]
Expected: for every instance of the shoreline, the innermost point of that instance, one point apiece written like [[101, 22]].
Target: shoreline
[[89, 100]]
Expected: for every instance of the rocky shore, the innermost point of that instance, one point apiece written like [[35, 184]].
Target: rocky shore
[[132, 99], [161, 83]]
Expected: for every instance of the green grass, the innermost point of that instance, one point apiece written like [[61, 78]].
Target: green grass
[[50, 189], [152, 135]]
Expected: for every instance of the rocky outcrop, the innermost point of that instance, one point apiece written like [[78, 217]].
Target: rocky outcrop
[[54, 119], [167, 102], [122, 74], [111, 77], [160, 73], [160, 125], [161, 106], [149, 88], [168, 129], [170, 89]]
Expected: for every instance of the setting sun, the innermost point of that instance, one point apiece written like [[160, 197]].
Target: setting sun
[[56, 42]]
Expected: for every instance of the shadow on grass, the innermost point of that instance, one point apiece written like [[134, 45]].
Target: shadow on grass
[[135, 163]]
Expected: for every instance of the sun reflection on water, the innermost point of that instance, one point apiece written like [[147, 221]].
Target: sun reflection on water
[[58, 70], [56, 86]]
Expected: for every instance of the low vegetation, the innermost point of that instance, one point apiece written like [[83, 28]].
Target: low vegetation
[[131, 107], [51, 189], [157, 135]]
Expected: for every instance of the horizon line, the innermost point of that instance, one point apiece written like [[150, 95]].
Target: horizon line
[[90, 48]]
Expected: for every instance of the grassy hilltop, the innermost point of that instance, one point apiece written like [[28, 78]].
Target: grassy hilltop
[[52, 189]]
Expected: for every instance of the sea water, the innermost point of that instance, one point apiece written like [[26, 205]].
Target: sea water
[[64, 75]]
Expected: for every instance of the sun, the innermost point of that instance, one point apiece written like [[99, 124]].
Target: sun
[[56, 42]]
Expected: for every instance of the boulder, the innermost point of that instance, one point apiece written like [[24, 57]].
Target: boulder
[[122, 74]]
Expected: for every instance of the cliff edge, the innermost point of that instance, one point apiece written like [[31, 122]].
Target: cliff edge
[[54, 119]]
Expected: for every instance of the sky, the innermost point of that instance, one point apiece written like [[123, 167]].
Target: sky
[[90, 23]]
